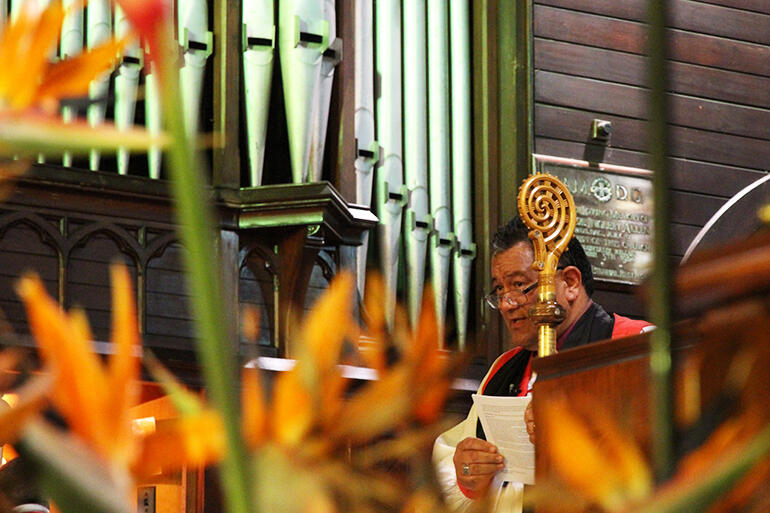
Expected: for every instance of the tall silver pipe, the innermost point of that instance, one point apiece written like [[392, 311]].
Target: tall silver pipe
[[153, 118], [417, 225], [391, 191], [71, 44], [98, 31], [442, 239], [459, 20], [126, 86], [303, 36], [329, 61], [258, 58], [196, 41], [367, 149]]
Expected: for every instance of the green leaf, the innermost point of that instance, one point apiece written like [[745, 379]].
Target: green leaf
[[698, 495], [183, 400], [30, 135], [72, 476]]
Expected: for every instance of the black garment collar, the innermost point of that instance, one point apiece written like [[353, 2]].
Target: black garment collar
[[595, 324]]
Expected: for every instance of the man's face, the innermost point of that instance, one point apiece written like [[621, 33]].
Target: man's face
[[511, 270]]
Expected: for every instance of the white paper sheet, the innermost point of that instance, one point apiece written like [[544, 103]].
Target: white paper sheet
[[503, 421]]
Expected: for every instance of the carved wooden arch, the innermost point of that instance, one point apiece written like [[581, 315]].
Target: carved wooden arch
[[246, 256], [127, 245], [264, 253], [158, 246], [125, 241], [49, 236], [327, 264], [47, 233]]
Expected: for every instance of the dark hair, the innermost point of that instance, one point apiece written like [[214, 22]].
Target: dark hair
[[19, 484], [516, 231]]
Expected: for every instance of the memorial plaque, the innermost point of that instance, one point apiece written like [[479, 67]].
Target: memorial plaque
[[614, 215]]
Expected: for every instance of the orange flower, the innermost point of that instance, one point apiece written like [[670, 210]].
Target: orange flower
[[320, 434], [96, 399], [31, 87], [29, 79], [149, 18], [596, 460], [30, 399], [85, 392], [314, 432]]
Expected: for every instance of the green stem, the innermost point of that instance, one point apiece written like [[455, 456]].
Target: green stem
[[195, 217], [660, 311], [716, 481]]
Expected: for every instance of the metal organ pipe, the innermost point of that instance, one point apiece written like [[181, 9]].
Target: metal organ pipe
[[367, 149], [303, 36], [71, 45], [391, 191], [153, 119], [442, 239], [417, 225], [98, 31], [126, 86], [465, 251], [196, 41], [258, 57], [329, 61]]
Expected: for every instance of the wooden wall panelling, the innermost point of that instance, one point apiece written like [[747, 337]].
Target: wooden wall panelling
[[688, 15], [619, 99], [88, 278], [228, 249], [487, 213], [23, 249], [695, 176], [227, 92], [296, 255], [681, 235], [628, 36], [760, 6], [627, 68], [324, 270], [285, 266], [631, 36], [168, 319], [340, 152], [256, 288], [619, 301], [589, 63], [627, 133]]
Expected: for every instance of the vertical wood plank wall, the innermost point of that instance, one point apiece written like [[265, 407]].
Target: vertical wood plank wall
[[589, 63]]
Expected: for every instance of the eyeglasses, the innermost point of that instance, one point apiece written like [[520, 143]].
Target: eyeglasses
[[519, 296]]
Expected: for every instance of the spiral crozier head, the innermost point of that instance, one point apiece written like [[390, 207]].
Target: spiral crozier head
[[547, 208]]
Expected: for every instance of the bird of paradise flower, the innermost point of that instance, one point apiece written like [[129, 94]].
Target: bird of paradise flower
[[314, 433], [31, 87], [95, 400]]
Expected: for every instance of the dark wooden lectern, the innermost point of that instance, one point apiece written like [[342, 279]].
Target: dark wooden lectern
[[723, 295]]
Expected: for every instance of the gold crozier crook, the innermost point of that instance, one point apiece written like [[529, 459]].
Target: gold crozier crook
[[547, 208]]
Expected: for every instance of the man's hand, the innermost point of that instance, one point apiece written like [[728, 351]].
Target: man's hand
[[476, 463], [529, 421]]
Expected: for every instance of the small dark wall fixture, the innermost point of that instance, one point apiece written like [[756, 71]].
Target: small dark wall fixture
[[598, 140]]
